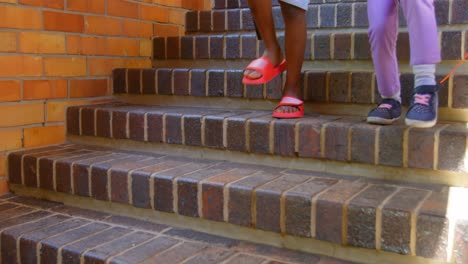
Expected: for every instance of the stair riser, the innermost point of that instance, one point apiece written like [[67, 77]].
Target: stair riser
[[319, 87], [228, 231], [222, 4], [333, 209], [443, 147], [320, 46], [330, 15], [41, 231]]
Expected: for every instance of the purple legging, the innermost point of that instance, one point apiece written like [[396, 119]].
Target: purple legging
[[383, 32]]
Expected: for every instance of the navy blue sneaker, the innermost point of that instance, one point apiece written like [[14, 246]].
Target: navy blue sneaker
[[423, 108], [387, 112]]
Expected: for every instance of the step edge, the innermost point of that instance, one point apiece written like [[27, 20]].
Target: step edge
[[421, 176], [446, 114], [307, 245]]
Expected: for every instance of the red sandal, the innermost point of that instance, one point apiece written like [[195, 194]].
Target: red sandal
[[290, 101], [264, 66]]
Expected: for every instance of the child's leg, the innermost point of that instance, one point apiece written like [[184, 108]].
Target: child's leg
[[383, 32], [422, 27], [295, 43], [424, 43], [262, 14], [425, 53]]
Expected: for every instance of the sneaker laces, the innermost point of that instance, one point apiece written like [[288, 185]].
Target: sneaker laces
[[422, 99], [387, 106], [421, 103]]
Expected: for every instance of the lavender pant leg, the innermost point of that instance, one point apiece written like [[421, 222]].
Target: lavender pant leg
[[422, 28], [383, 32]]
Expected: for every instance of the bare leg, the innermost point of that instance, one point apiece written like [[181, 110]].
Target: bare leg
[[295, 42], [262, 14]]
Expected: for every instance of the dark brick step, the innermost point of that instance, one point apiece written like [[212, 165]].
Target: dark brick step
[[345, 139], [321, 15], [321, 46], [40, 231], [230, 4], [319, 86], [403, 218]]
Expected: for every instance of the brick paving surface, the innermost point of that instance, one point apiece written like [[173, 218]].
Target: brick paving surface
[[343, 86], [50, 232], [342, 209], [333, 14], [346, 139], [400, 218]]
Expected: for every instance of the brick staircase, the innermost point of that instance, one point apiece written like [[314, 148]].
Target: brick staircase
[[186, 143], [38, 231]]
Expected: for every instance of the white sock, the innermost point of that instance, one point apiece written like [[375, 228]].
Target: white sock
[[396, 97], [424, 74]]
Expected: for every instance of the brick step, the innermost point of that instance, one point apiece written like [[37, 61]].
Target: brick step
[[223, 4], [321, 46], [352, 88], [439, 150], [40, 231], [356, 212], [321, 15]]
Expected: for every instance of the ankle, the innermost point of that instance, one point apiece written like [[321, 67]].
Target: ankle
[[396, 97], [424, 74], [293, 92], [274, 55]]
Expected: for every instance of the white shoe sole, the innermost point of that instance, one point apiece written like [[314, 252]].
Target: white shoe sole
[[419, 123], [380, 121]]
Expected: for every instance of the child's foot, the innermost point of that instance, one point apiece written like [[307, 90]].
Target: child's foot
[[289, 107], [423, 109], [272, 60], [387, 112]]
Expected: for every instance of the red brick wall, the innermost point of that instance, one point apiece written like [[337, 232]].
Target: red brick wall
[[56, 53]]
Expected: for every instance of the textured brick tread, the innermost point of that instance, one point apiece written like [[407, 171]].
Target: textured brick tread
[[403, 218], [322, 14], [357, 87], [54, 233], [320, 46], [324, 137]]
